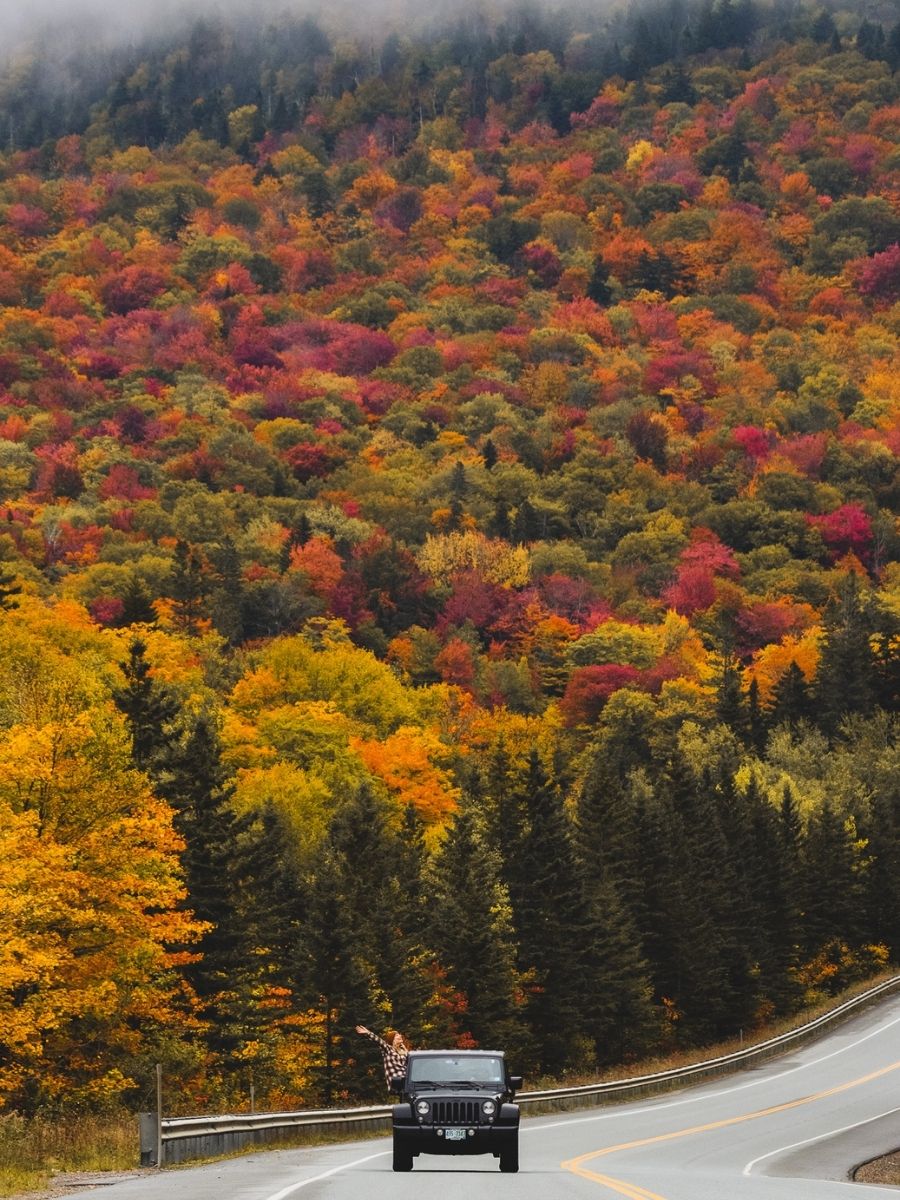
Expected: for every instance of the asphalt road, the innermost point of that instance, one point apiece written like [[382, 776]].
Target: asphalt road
[[791, 1129]]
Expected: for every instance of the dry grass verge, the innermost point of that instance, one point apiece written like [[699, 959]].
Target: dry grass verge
[[880, 1170]]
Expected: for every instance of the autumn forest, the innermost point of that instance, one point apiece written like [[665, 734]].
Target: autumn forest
[[448, 545]]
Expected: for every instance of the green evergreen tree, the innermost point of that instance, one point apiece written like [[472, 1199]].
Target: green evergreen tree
[[833, 881], [299, 534], [228, 596], [756, 718], [549, 919], [846, 673], [598, 288], [188, 586], [501, 523], [216, 860], [337, 983], [823, 28], [677, 86], [731, 705], [151, 711], [137, 603], [882, 880], [617, 1010], [717, 872], [502, 801], [870, 40], [471, 931], [773, 913], [791, 698], [526, 525]]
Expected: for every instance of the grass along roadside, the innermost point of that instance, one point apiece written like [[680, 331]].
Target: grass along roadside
[[34, 1151]]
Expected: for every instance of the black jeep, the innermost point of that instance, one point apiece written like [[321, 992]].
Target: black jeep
[[456, 1102]]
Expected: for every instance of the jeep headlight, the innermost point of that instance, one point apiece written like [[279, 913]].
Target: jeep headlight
[[423, 1108], [489, 1108]]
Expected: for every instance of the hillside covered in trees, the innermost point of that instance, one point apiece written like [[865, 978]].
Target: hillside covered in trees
[[448, 545]]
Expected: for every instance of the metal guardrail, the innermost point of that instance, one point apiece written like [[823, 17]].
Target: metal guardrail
[[183, 1138]]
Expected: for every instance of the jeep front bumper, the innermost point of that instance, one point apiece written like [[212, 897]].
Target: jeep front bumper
[[473, 1139]]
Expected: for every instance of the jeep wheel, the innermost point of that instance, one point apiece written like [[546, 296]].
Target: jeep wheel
[[403, 1159], [509, 1159]]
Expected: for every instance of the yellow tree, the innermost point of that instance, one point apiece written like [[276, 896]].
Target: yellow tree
[[91, 891]]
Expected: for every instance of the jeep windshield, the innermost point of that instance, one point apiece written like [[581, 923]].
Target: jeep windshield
[[437, 1070]]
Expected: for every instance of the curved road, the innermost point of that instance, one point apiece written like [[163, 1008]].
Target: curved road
[[790, 1129]]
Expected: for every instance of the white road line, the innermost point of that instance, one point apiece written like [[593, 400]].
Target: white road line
[[636, 1112], [295, 1187], [821, 1137]]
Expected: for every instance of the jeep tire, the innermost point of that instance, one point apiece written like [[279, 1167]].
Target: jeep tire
[[403, 1159], [509, 1159]]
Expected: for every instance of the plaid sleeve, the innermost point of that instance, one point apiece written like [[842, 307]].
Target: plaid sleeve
[[379, 1041]]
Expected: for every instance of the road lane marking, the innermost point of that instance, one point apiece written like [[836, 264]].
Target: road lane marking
[[295, 1187], [577, 1165], [631, 1190], [702, 1094], [748, 1170]]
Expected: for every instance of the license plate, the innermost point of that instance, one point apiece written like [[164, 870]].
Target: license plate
[[455, 1135]]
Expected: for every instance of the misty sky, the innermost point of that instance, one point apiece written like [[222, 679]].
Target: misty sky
[[114, 19]]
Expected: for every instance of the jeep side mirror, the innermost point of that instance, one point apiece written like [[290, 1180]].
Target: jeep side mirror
[[397, 1084], [515, 1082]]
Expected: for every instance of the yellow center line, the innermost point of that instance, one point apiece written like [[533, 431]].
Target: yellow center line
[[633, 1192]]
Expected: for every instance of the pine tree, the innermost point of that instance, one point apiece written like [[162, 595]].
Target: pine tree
[[216, 860], [188, 587], [677, 86], [501, 797], [501, 524], [844, 681], [229, 593], [892, 47], [791, 698], [756, 718], [607, 816], [882, 883], [549, 919], [406, 963], [730, 704], [275, 900], [151, 710], [472, 934], [823, 27], [137, 604], [617, 1010], [773, 912], [833, 881], [618, 1013], [299, 535], [337, 983], [598, 288], [712, 889], [870, 40], [526, 526]]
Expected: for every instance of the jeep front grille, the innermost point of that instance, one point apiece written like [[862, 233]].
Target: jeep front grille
[[456, 1112]]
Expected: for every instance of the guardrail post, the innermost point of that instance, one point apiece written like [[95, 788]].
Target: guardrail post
[[159, 1137], [148, 1126]]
